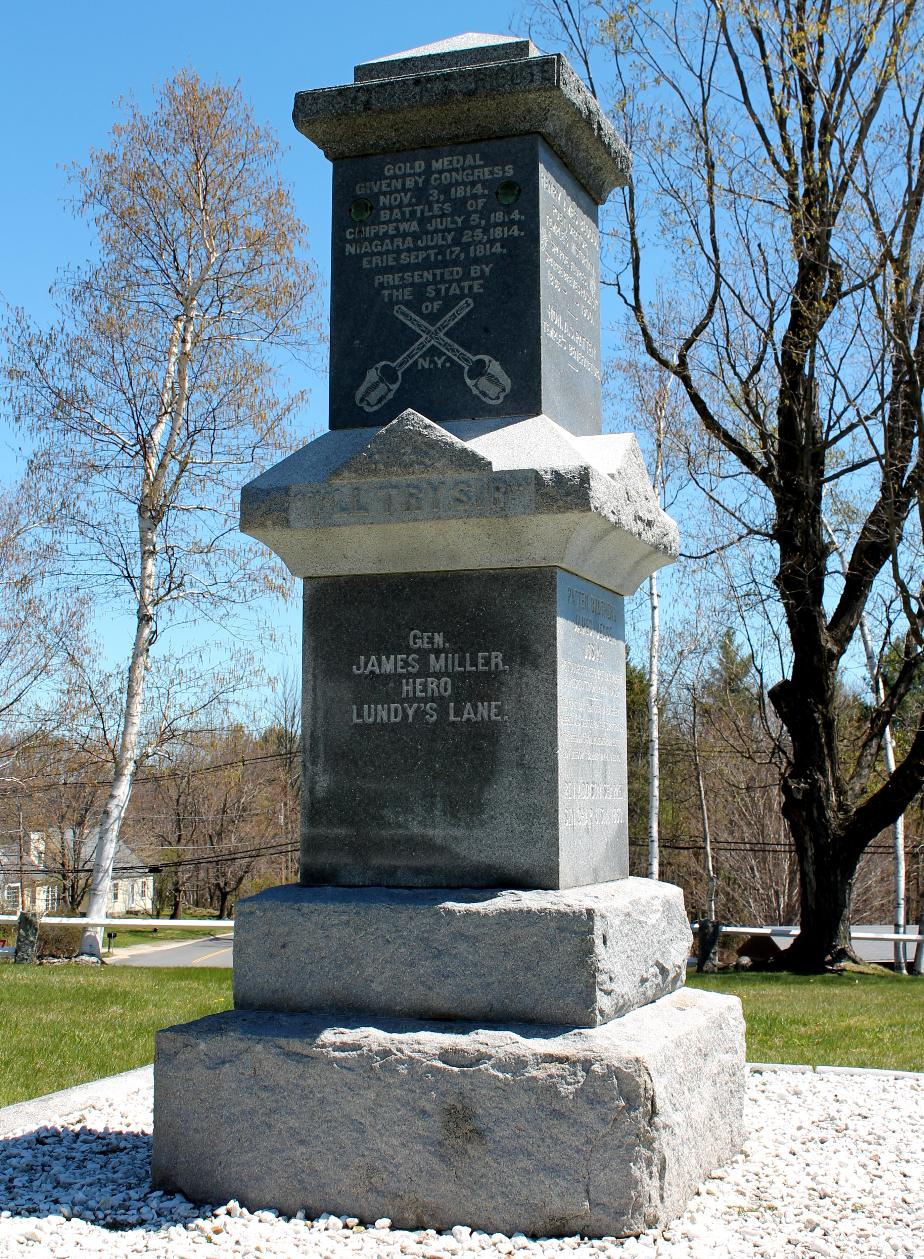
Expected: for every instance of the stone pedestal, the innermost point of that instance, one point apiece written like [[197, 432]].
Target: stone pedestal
[[565, 1081], [601, 1131], [466, 1013], [577, 958]]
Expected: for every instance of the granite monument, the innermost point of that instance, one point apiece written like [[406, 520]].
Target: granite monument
[[466, 1011]]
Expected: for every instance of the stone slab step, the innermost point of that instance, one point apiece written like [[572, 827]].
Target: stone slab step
[[576, 958]]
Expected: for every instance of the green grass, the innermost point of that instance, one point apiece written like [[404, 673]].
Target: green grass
[[848, 1020], [64, 1025], [126, 936]]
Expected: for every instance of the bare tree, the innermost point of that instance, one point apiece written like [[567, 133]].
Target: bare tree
[[286, 741], [36, 630], [156, 394], [64, 801], [780, 168]]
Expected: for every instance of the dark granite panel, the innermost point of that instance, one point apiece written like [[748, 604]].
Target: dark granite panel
[[435, 284], [430, 719], [464, 730], [569, 244]]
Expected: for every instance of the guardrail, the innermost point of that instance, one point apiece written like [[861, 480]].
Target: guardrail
[[194, 924], [856, 933], [53, 920]]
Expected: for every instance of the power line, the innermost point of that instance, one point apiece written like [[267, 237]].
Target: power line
[[162, 865], [241, 762]]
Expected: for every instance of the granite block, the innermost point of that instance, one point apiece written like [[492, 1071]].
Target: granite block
[[604, 1132], [534, 95], [464, 283], [578, 957], [470, 49], [463, 730], [542, 496]]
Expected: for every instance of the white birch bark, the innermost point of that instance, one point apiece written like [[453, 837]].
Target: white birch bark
[[654, 750], [126, 763], [654, 653], [888, 745], [159, 448]]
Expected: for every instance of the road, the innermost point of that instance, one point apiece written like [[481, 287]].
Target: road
[[209, 951]]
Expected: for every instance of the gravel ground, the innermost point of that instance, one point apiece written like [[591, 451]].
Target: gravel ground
[[833, 1166]]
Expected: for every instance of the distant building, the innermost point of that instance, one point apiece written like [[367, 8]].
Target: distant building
[[132, 884], [16, 872]]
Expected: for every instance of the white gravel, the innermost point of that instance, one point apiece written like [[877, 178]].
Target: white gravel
[[833, 1166]]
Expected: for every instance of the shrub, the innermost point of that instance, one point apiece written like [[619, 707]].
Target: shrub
[[58, 941]]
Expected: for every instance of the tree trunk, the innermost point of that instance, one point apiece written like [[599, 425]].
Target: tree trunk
[[707, 953], [654, 774], [917, 966], [811, 796], [888, 747], [826, 888], [704, 814], [177, 894], [127, 759]]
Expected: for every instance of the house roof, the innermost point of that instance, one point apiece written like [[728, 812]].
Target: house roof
[[11, 865], [127, 863]]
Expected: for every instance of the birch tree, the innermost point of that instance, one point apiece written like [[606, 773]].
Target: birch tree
[[888, 748], [156, 394]]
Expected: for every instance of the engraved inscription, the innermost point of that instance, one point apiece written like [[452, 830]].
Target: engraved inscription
[[420, 683], [431, 230], [591, 708], [436, 228], [424, 498], [568, 241], [428, 248]]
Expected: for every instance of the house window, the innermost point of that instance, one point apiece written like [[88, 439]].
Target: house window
[[52, 897], [11, 893], [115, 892]]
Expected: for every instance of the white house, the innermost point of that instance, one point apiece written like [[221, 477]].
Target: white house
[[132, 885]]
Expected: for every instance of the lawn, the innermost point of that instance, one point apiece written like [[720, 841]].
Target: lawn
[[848, 1020], [125, 936], [64, 1025]]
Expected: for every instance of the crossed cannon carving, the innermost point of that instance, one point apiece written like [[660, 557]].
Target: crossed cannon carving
[[483, 374]]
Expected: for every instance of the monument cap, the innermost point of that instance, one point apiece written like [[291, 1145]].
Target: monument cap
[[474, 48], [470, 88]]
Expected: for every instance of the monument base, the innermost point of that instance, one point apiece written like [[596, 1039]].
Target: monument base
[[576, 958], [548, 1131]]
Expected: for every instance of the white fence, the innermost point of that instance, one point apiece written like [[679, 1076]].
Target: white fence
[[227, 924], [856, 933], [194, 924], [52, 920]]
